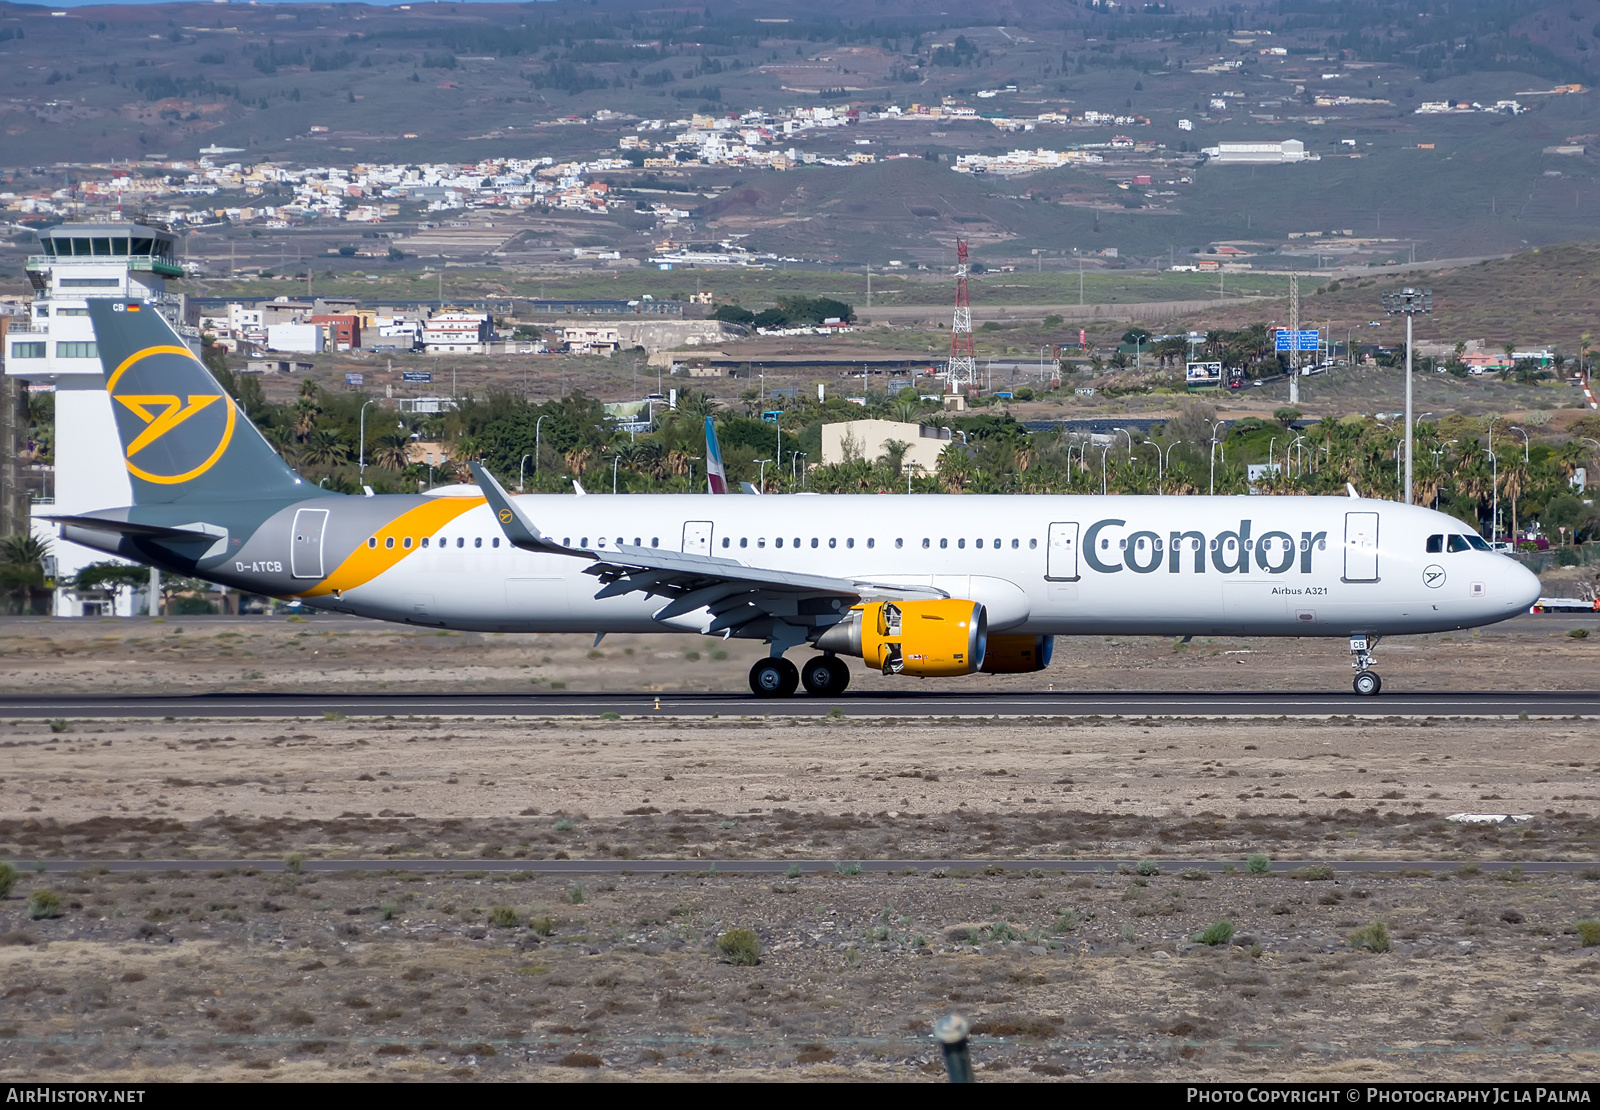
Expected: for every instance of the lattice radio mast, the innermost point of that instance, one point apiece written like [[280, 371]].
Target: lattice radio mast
[[962, 372], [1294, 342]]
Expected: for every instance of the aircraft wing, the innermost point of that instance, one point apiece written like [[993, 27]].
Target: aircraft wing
[[734, 593]]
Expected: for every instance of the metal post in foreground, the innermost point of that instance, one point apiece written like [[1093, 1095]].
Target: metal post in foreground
[[951, 1032], [154, 600]]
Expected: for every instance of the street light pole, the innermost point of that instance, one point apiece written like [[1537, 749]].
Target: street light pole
[[1408, 302], [1103, 452], [1494, 486], [536, 424], [521, 469], [361, 457]]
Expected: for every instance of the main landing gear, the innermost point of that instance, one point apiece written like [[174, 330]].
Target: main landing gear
[[1366, 683], [823, 676]]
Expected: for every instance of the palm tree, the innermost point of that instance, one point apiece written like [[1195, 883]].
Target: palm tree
[[325, 448], [22, 559], [390, 452]]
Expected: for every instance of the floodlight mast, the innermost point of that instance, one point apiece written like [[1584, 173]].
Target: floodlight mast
[[1408, 302]]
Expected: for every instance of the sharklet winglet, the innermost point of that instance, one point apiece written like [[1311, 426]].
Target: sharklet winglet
[[518, 529]]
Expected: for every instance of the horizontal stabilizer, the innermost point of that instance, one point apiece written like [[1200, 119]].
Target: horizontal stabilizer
[[129, 528]]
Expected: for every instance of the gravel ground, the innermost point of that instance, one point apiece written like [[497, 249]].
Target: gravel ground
[[248, 973]]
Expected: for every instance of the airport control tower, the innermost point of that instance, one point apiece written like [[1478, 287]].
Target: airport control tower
[[54, 347]]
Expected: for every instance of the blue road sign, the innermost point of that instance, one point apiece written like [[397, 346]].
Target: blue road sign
[[1299, 340], [417, 376]]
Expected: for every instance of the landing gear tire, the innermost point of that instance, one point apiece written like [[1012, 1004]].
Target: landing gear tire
[[825, 676], [774, 678], [1368, 684]]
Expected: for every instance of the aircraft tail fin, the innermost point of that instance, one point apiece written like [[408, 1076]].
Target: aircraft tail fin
[[716, 476], [183, 438]]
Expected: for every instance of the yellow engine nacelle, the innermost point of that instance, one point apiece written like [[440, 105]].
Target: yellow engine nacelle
[[929, 639], [1018, 654]]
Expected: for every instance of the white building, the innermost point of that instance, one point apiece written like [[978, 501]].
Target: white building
[[55, 347], [1257, 154], [457, 333], [305, 339], [602, 340], [868, 439]]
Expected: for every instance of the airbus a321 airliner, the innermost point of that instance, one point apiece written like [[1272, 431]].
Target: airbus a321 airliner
[[926, 586]]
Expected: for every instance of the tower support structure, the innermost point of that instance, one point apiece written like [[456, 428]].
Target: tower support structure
[[961, 373]]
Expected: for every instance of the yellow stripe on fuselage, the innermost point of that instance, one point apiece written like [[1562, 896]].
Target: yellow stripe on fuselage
[[366, 563]]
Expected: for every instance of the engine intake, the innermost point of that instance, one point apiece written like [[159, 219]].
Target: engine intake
[[1018, 654], [928, 639]]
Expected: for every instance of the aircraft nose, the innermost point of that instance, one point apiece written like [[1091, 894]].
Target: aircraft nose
[[1522, 586]]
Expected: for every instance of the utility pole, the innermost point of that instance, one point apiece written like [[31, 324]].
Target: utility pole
[[1408, 302]]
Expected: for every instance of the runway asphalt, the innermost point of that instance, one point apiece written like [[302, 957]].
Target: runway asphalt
[[911, 703], [784, 866]]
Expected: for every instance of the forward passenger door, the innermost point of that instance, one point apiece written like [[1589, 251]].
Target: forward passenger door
[[1062, 557]]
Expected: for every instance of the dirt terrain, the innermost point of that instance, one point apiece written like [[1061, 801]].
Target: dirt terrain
[[348, 655], [244, 971]]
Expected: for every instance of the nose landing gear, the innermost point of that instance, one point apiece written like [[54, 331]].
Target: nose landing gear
[[1366, 683]]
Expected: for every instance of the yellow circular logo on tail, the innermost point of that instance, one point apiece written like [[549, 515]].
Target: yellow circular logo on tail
[[174, 420], [505, 516]]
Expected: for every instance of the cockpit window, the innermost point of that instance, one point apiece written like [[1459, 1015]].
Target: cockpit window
[[1479, 543], [1435, 544], [1459, 543]]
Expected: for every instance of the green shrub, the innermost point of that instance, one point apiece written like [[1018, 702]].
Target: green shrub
[[8, 879], [740, 947], [565, 825], [847, 869], [577, 895], [544, 926], [1002, 931], [1315, 873], [792, 873], [60, 724], [1578, 633], [387, 911], [43, 903], [1148, 867], [1589, 933], [502, 917], [1220, 932], [294, 862], [1258, 864], [611, 715], [1374, 937]]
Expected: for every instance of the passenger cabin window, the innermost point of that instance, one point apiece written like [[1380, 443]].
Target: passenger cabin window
[[744, 542], [424, 541], [726, 541], [461, 541], [388, 541], [1032, 544], [495, 542], [944, 544], [407, 543], [372, 541], [477, 541], [1435, 544], [899, 543], [961, 543], [833, 542], [778, 542], [655, 541]]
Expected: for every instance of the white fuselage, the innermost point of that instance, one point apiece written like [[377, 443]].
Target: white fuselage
[[1276, 566]]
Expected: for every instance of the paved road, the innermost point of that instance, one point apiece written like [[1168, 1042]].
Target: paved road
[[784, 866], [909, 703]]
